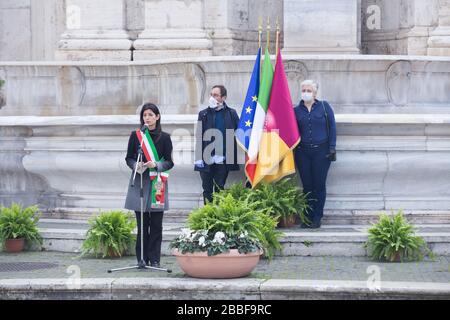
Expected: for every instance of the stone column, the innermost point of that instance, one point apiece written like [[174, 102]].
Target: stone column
[[173, 28], [439, 42], [95, 31], [233, 24], [322, 26]]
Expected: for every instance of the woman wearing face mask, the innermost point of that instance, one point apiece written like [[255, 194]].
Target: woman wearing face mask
[[316, 150], [157, 160]]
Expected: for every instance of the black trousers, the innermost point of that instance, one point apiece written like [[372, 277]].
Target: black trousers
[[152, 236], [313, 164], [213, 181]]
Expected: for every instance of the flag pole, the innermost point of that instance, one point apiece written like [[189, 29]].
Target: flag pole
[[268, 33], [260, 31], [260, 27], [278, 37]]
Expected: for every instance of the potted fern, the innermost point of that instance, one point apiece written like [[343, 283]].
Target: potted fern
[[19, 225], [393, 239], [225, 239], [283, 200], [110, 235]]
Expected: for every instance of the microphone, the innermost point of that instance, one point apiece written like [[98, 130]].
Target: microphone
[[144, 126]]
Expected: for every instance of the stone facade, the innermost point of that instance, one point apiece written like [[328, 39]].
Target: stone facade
[[30, 29], [322, 26], [398, 27], [64, 124], [393, 140], [72, 163], [148, 29]]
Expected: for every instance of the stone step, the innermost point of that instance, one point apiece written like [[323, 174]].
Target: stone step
[[331, 217], [207, 289], [330, 240]]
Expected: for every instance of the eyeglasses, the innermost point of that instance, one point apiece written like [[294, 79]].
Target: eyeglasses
[[215, 95]]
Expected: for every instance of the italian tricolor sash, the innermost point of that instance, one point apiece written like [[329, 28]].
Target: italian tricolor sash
[[158, 179]]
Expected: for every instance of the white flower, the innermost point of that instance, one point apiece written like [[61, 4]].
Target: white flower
[[201, 241], [193, 235], [219, 237], [185, 233], [244, 234]]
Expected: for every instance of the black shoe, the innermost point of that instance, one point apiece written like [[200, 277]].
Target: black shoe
[[304, 226], [155, 264], [316, 225]]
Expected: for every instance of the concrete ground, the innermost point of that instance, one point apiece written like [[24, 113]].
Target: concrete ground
[[69, 276], [292, 267]]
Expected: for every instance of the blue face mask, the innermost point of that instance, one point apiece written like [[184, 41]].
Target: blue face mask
[[307, 96]]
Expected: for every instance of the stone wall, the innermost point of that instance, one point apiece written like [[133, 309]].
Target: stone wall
[[393, 117], [399, 26], [76, 163], [353, 84], [30, 29], [146, 29]]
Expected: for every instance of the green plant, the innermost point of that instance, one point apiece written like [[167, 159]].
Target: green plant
[[227, 224], [281, 199], [17, 222], [394, 239], [237, 190], [110, 234], [307, 243]]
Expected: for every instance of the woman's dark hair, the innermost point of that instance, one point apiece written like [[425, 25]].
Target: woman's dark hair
[[155, 110]]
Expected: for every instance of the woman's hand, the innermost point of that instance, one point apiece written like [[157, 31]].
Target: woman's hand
[[332, 155], [150, 164]]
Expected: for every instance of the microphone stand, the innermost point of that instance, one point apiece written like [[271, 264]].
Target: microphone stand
[[141, 264]]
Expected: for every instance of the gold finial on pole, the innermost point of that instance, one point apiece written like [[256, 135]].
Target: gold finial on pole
[[268, 33], [260, 28]]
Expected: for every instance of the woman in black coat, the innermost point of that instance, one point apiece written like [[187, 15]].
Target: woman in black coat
[[150, 118]]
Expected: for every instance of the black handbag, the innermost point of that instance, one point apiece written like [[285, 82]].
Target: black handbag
[[332, 155]]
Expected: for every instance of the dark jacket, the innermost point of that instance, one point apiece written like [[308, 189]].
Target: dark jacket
[[163, 146], [206, 120], [313, 125]]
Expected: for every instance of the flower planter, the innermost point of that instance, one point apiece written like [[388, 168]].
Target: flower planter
[[112, 254], [286, 222], [222, 266], [397, 257], [14, 245]]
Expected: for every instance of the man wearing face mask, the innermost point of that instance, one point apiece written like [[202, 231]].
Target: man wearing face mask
[[216, 148], [316, 150]]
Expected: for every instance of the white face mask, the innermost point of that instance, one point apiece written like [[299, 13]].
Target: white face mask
[[213, 102], [307, 96]]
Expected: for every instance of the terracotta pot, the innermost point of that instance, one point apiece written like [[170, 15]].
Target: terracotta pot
[[14, 245], [287, 222], [222, 266], [112, 254], [397, 257]]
